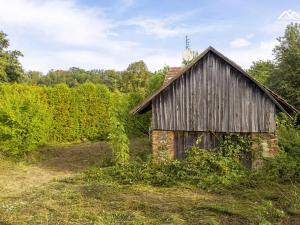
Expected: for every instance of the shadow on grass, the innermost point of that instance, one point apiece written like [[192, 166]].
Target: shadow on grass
[[74, 158]]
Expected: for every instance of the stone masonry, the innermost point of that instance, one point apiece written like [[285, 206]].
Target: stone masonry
[[163, 145], [264, 145]]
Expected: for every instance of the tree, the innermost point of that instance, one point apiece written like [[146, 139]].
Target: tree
[[33, 77], [156, 80], [285, 79], [10, 68], [136, 77], [261, 70]]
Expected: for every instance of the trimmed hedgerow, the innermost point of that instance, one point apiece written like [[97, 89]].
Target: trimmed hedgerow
[[24, 118], [63, 108], [31, 116]]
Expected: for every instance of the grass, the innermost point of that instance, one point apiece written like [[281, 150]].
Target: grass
[[66, 198]]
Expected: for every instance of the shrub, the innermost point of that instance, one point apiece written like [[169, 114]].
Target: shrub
[[289, 137], [24, 119], [64, 119], [93, 103], [285, 167], [31, 116], [282, 169], [119, 143], [208, 169]]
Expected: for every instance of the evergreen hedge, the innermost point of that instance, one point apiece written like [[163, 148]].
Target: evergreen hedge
[[31, 116]]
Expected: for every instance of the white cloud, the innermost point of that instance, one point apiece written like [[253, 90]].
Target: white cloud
[[61, 21], [169, 27], [71, 35], [244, 57], [62, 33], [239, 43], [68, 34]]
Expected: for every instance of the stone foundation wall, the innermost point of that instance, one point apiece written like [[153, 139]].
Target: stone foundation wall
[[163, 145], [265, 145]]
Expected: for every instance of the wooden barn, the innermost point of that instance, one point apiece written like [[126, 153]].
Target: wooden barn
[[210, 98]]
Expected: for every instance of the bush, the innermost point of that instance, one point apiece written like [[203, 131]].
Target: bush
[[289, 137], [63, 108], [31, 116], [94, 105], [285, 167], [207, 169], [24, 119], [119, 142], [282, 169]]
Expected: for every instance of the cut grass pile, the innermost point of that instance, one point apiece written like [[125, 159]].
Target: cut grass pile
[[66, 197]]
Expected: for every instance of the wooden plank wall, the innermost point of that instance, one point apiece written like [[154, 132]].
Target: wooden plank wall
[[213, 96], [208, 140], [186, 139]]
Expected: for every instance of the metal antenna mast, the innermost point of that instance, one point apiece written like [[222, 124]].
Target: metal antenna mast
[[187, 42]]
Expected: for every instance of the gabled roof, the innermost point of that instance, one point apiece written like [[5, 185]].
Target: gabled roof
[[281, 103]]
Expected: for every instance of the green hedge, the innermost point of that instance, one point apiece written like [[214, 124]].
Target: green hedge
[[24, 118], [31, 116]]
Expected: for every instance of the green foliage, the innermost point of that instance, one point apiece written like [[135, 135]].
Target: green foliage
[[261, 70], [289, 136], [117, 137], [64, 125], [119, 142], [285, 167], [135, 78], [285, 79], [10, 68], [283, 74], [136, 125], [156, 80], [93, 111], [24, 119], [207, 169], [31, 116]]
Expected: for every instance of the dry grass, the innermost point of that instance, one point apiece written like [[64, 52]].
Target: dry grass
[[47, 164], [50, 190]]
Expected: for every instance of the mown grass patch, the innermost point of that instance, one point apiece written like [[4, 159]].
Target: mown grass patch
[[79, 198], [75, 201]]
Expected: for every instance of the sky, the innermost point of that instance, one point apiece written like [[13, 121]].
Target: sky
[[99, 34]]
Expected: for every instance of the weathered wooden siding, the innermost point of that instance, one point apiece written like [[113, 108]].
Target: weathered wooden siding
[[213, 96], [186, 139]]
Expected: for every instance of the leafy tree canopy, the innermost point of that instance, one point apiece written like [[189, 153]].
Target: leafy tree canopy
[[10, 68], [261, 70], [285, 79], [282, 75]]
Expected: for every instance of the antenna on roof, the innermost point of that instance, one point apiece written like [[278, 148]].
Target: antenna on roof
[[187, 42], [187, 53]]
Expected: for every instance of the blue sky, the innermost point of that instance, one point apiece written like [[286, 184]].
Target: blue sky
[[110, 34]]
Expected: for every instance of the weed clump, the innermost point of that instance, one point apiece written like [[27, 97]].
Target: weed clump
[[208, 169]]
